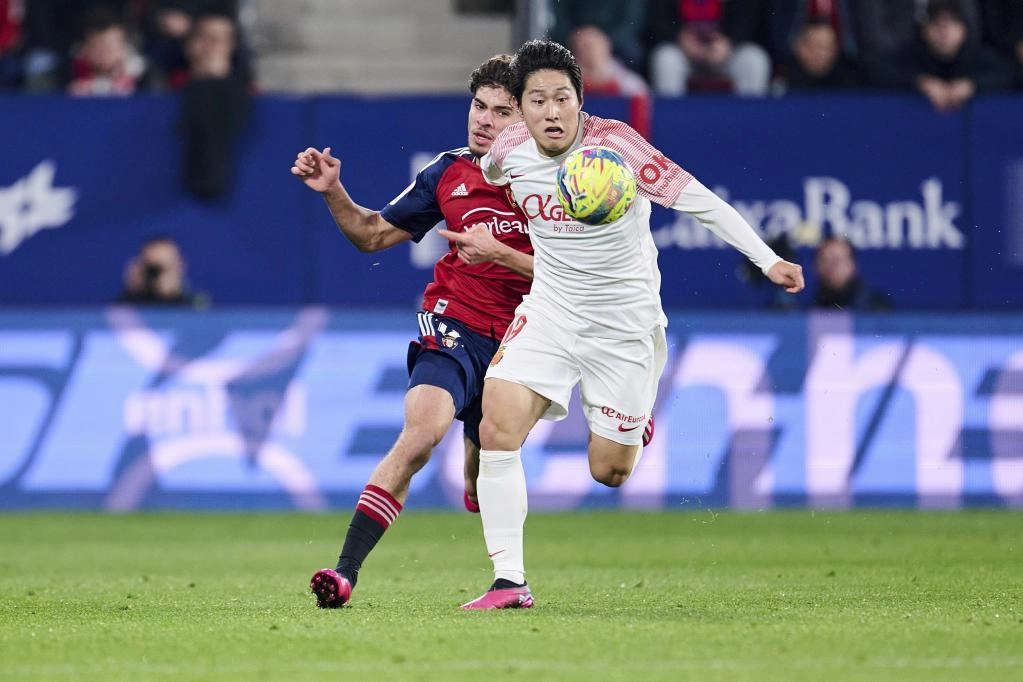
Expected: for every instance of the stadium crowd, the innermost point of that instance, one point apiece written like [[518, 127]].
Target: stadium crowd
[[119, 47], [946, 49]]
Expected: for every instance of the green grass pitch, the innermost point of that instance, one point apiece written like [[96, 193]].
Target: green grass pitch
[[793, 595]]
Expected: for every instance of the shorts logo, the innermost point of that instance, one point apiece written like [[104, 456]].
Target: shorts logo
[[448, 338], [628, 422], [498, 356]]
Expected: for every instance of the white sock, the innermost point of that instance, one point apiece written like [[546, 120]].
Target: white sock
[[501, 488]]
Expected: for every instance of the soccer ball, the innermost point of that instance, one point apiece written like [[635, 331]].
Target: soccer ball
[[595, 185]]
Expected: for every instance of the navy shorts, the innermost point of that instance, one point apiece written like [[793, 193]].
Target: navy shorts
[[451, 356]]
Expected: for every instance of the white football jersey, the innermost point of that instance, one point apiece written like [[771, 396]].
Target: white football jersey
[[603, 280]]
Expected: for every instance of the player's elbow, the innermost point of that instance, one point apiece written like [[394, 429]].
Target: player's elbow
[[367, 245], [367, 241]]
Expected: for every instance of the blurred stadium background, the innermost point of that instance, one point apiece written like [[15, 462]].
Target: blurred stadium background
[[282, 386]]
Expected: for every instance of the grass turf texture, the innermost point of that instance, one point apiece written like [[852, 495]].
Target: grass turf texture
[[790, 595]]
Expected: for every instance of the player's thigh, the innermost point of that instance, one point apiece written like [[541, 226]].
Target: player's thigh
[[618, 385], [429, 412], [511, 410], [539, 356], [451, 356]]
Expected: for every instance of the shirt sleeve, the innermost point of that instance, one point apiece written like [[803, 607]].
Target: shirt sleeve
[[718, 216], [658, 178], [492, 172], [416, 210]]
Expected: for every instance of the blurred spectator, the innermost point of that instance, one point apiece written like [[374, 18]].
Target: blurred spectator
[[621, 20], [602, 73], [156, 275], [791, 16], [52, 29], [1003, 20], [605, 75], [215, 106], [885, 27], [946, 66], [695, 40], [166, 28], [838, 282], [11, 15], [818, 62], [106, 63]]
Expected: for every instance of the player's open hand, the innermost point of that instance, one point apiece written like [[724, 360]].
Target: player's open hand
[[476, 245], [788, 275], [318, 170]]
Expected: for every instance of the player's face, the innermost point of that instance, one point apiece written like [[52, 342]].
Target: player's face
[[550, 108], [492, 110]]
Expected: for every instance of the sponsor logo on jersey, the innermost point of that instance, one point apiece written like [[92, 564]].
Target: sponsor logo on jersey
[[460, 191], [650, 173], [545, 206], [496, 220], [440, 306]]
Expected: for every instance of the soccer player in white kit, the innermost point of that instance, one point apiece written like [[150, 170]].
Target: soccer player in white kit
[[593, 315]]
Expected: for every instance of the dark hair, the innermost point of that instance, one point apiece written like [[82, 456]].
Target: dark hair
[[101, 18], [936, 8], [536, 55], [495, 72], [835, 239]]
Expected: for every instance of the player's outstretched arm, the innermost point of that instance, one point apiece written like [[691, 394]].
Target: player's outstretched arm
[[364, 228], [478, 245]]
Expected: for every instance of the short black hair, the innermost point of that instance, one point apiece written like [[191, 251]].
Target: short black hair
[[536, 55], [496, 72]]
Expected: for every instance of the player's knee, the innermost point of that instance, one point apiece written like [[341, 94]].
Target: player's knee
[[494, 435], [416, 444], [611, 475]]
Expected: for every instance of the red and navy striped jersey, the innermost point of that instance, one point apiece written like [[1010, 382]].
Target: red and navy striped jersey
[[451, 188]]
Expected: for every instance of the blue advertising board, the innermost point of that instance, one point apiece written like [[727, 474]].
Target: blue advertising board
[[122, 409], [996, 180], [931, 201], [885, 172]]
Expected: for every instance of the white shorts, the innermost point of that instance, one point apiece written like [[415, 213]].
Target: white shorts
[[617, 378]]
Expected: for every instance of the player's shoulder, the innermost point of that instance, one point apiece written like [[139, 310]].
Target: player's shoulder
[[598, 130], [509, 138], [439, 164]]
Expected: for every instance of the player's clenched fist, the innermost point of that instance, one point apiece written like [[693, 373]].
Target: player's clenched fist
[[787, 275]]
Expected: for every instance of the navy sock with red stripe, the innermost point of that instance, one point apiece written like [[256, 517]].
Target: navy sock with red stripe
[[374, 513]]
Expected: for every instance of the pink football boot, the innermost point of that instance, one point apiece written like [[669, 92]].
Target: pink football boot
[[502, 598], [471, 506], [332, 589]]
